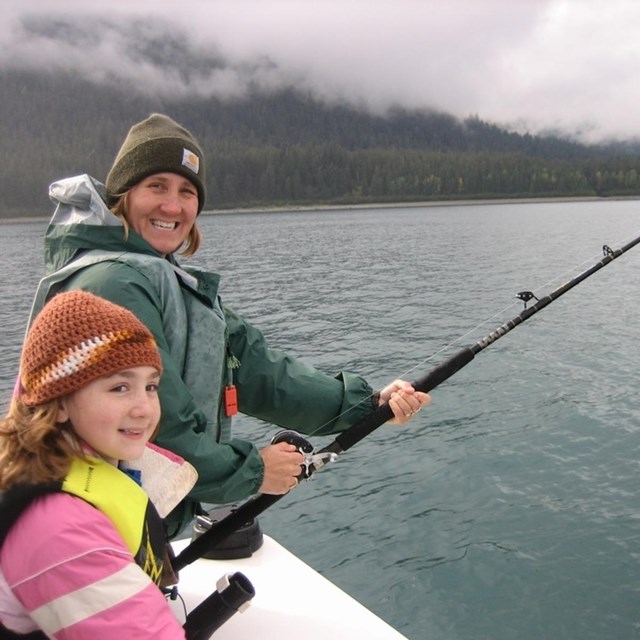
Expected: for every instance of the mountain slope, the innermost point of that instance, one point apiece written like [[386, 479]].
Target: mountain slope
[[285, 147]]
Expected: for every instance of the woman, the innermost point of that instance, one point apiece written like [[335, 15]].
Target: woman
[[120, 243], [82, 547]]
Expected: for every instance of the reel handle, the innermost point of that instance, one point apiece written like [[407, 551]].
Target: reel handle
[[302, 445]]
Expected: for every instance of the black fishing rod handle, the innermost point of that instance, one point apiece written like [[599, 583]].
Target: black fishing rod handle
[[221, 530]]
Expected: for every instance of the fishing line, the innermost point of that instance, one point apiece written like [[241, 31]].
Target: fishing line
[[561, 276]]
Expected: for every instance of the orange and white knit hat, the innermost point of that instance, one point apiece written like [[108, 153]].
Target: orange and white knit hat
[[76, 338]]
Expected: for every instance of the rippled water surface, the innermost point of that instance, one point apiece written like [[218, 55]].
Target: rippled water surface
[[509, 509]]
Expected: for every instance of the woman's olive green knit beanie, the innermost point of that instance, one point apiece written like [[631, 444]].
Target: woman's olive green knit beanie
[[156, 145]]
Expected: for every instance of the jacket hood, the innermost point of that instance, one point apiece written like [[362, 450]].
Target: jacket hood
[[82, 221]]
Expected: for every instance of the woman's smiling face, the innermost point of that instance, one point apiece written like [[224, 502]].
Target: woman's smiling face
[[162, 208]]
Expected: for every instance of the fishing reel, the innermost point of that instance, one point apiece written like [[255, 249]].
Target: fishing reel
[[312, 461]]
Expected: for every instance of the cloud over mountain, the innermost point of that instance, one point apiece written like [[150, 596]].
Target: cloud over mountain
[[567, 65]]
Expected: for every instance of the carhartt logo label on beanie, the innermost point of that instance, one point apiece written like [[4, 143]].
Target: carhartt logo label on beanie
[[190, 160], [156, 145]]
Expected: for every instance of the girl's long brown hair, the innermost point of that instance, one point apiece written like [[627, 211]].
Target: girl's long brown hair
[[34, 447]]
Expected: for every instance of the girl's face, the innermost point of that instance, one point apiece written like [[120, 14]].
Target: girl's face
[[115, 415], [162, 209]]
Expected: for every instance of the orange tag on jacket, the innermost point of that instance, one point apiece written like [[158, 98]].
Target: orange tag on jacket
[[230, 400]]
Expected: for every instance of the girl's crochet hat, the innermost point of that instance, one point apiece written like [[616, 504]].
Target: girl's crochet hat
[[76, 338]]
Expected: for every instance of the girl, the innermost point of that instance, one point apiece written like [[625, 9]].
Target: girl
[[83, 548]]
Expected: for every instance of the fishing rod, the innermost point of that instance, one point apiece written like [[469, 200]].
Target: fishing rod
[[315, 460]]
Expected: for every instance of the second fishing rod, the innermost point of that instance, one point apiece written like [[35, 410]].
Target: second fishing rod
[[315, 460]]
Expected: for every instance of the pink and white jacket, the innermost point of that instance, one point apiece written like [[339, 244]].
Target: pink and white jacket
[[65, 569]]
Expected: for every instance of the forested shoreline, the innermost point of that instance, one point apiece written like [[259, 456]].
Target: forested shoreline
[[286, 150]]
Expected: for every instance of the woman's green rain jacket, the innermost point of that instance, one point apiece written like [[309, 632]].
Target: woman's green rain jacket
[[202, 343]]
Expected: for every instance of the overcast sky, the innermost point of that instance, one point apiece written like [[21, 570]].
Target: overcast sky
[[563, 64]]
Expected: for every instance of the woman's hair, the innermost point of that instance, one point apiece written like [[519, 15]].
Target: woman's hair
[[192, 243], [34, 447]]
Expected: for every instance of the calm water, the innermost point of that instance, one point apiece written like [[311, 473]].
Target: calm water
[[510, 508]]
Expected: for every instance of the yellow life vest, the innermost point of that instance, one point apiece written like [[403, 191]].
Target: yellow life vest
[[126, 505]]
